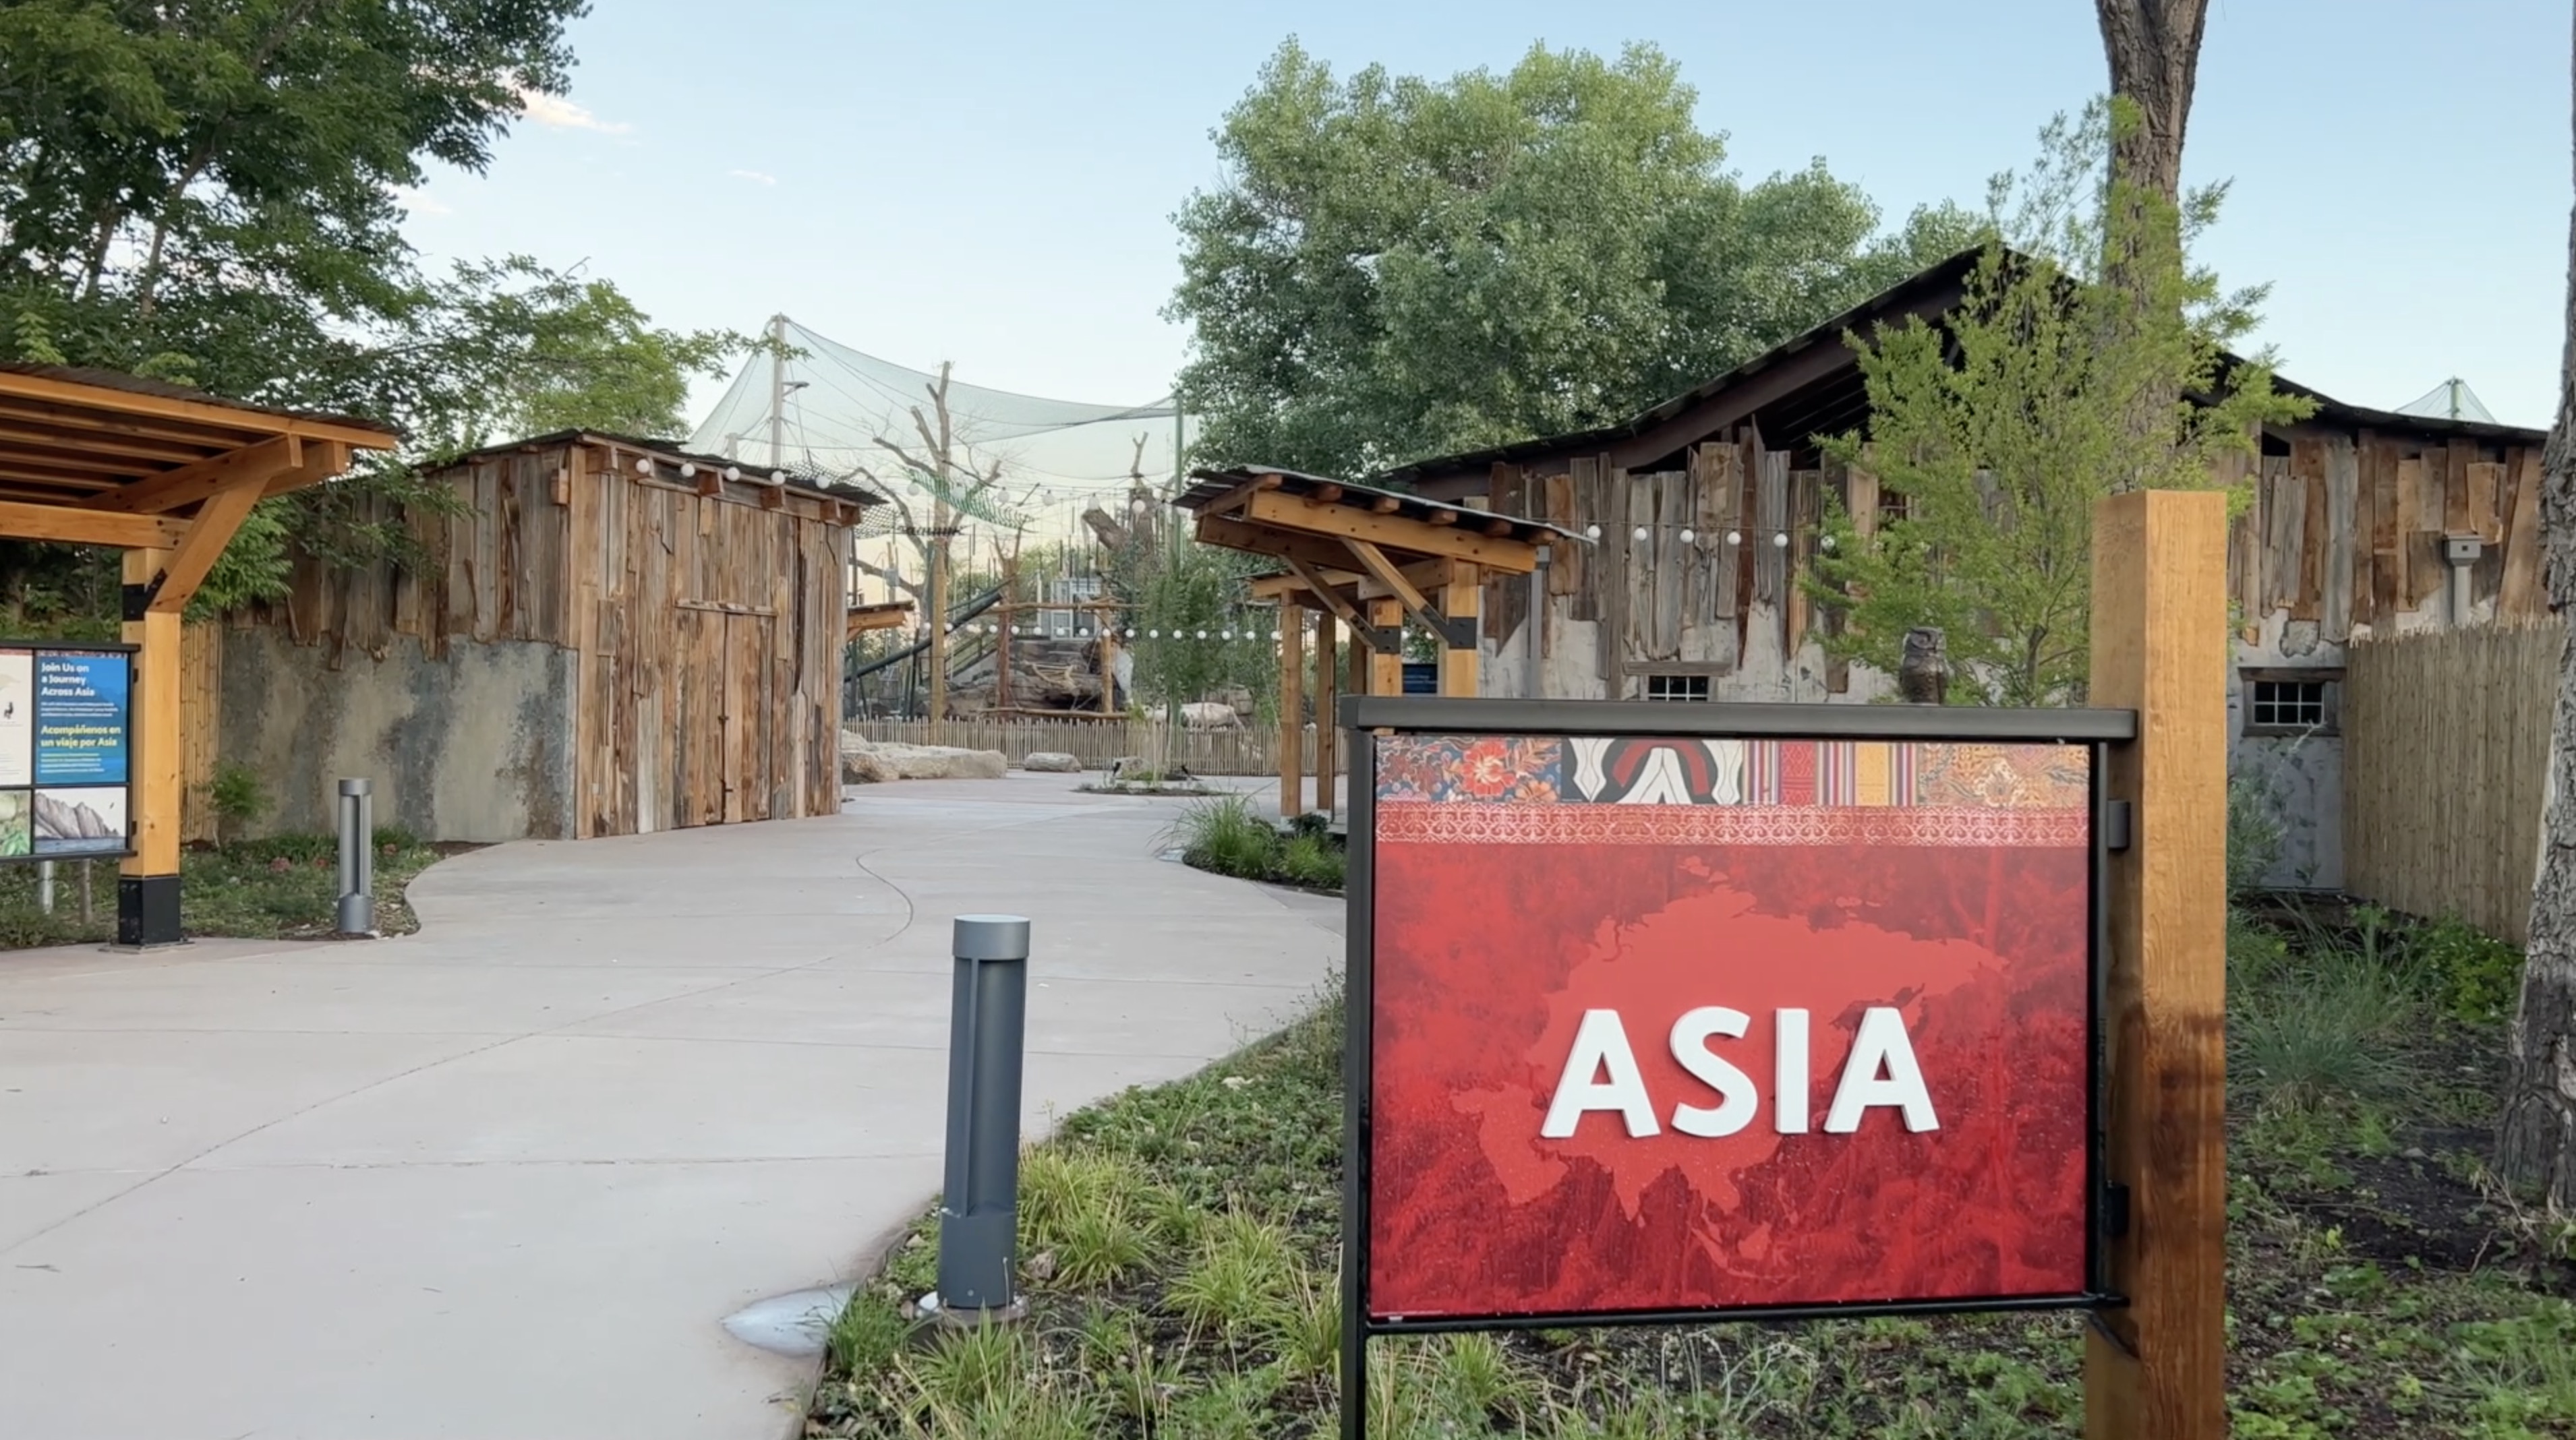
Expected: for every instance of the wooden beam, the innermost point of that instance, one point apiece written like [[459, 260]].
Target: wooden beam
[[1442, 517], [21, 430], [1328, 680], [1462, 599], [93, 403], [1292, 712], [1319, 552], [1325, 495], [1399, 586], [323, 459], [1236, 498], [79, 525], [185, 486], [69, 457], [1386, 662], [1386, 504], [57, 477], [1323, 591], [1392, 532], [2156, 1368], [213, 529]]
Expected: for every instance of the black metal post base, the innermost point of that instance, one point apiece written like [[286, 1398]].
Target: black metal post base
[[147, 910]]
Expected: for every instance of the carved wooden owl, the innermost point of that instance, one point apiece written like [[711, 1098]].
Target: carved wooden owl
[[1923, 673]]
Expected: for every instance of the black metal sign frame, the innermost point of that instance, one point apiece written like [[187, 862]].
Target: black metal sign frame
[[1363, 718]]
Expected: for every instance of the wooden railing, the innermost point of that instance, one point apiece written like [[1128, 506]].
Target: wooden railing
[[1249, 750]]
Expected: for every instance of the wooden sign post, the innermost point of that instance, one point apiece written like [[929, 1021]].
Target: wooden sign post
[[2156, 1369], [1961, 968]]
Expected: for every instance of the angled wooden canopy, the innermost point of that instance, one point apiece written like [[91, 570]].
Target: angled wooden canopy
[[167, 475], [1350, 547]]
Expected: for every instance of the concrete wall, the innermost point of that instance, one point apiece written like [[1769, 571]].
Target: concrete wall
[[474, 745]]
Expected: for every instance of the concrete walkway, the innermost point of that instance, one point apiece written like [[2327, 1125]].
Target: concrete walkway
[[505, 1178]]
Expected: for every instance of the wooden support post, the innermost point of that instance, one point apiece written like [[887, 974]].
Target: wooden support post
[[1109, 667], [1328, 664], [1292, 711], [1355, 674], [1386, 668], [1463, 599], [147, 886], [2156, 1369]]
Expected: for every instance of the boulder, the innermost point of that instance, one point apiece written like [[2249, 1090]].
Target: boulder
[[1052, 762], [868, 762], [1209, 716]]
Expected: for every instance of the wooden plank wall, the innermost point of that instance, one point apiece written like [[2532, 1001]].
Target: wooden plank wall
[[201, 722], [711, 631], [709, 627], [2346, 531]]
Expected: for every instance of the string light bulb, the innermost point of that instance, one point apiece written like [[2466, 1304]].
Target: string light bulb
[[1591, 532], [643, 464], [1640, 534], [1690, 537], [733, 472], [1734, 537], [1825, 542], [1203, 634], [1780, 541], [688, 471]]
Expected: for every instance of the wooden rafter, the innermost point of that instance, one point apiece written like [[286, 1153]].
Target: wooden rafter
[[1455, 632], [1241, 495], [1395, 533], [1372, 636], [86, 406], [70, 525], [189, 484]]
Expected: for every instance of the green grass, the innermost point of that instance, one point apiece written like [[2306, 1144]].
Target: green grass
[[285, 888], [1180, 1251], [1228, 836], [1180, 1254]]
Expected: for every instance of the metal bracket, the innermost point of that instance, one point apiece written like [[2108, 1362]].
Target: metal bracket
[[139, 598], [1380, 639], [1457, 632], [2119, 825]]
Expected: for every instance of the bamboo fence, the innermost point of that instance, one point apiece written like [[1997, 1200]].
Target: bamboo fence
[[2446, 746]]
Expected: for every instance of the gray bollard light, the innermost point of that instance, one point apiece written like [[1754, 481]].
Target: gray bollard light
[[979, 1208], [357, 858]]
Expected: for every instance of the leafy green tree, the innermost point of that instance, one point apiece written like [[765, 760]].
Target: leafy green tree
[[2001, 424], [1397, 267], [1192, 590], [209, 192]]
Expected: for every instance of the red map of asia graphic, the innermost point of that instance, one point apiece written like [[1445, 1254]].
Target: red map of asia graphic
[[1487, 957]]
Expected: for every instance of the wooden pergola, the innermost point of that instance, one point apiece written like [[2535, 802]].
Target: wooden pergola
[[167, 475], [1370, 559]]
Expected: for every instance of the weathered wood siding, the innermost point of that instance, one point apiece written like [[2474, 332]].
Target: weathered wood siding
[[706, 619], [2342, 536]]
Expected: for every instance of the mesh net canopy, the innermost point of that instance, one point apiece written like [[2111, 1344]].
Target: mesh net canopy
[[2450, 400], [840, 413]]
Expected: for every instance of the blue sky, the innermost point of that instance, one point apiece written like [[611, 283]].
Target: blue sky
[[992, 183]]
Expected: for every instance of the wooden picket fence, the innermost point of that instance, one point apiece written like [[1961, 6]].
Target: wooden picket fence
[[2446, 747], [1249, 750]]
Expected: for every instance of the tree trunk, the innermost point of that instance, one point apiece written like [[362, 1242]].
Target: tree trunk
[[2154, 50], [2536, 1143], [2153, 47]]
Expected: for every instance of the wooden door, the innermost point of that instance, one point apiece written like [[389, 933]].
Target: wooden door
[[751, 717], [698, 741]]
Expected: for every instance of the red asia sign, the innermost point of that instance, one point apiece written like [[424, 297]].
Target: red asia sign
[[1683, 1025]]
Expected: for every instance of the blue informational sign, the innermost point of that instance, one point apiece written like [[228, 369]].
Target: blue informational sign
[[82, 702]]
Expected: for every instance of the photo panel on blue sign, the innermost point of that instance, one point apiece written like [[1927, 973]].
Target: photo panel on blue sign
[[80, 820]]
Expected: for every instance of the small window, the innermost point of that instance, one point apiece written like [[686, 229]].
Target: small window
[[2290, 707], [1676, 687]]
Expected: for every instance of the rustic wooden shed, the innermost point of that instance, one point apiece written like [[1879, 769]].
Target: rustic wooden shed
[[1709, 506], [609, 636]]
